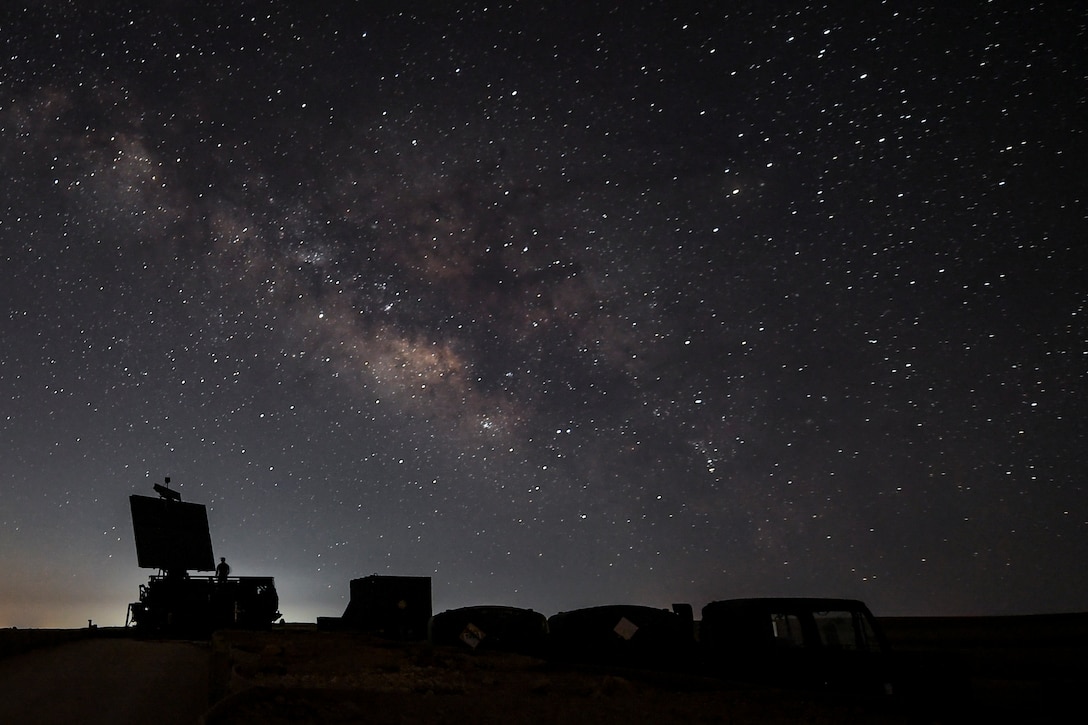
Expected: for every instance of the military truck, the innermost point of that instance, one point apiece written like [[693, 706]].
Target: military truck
[[827, 644]]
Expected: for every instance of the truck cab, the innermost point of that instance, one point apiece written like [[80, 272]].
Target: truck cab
[[827, 644]]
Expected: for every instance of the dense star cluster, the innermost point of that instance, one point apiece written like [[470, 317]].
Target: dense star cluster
[[565, 305]]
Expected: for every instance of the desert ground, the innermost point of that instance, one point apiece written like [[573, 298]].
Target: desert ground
[[1014, 669], [98, 678]]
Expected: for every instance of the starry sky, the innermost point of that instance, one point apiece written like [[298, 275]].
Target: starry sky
[[560, 304]]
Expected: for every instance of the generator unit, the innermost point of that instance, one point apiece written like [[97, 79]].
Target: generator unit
[[392, 607]]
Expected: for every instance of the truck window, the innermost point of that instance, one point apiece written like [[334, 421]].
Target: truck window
[[846, 630], [786, 630]]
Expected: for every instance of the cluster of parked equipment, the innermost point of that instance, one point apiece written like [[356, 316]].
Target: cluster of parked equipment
[[829, 643]]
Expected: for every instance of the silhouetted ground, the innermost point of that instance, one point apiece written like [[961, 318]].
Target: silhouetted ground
[[1013, 669], [16, 641], [102, 680], [300, 676], [989, 669], [1018, 669]]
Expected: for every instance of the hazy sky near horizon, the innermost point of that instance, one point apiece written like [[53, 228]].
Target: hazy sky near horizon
[[559, 304]]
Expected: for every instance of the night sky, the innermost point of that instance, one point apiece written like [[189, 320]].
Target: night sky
[[560, 304]]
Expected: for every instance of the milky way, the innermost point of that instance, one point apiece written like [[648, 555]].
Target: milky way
[[558, 306]]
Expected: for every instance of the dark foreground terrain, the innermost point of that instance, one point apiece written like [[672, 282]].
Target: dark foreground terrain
[[1011, 669], [100, 680], [1017, 669], [335, 677]]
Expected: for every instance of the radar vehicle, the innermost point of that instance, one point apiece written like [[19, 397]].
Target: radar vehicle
[[172, 537]]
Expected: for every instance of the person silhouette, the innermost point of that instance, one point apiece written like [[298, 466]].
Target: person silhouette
[[223, 570]]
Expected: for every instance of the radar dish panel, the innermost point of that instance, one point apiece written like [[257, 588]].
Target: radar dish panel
[[171, 535]]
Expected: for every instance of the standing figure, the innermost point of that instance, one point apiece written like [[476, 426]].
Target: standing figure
[[223, 570]]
